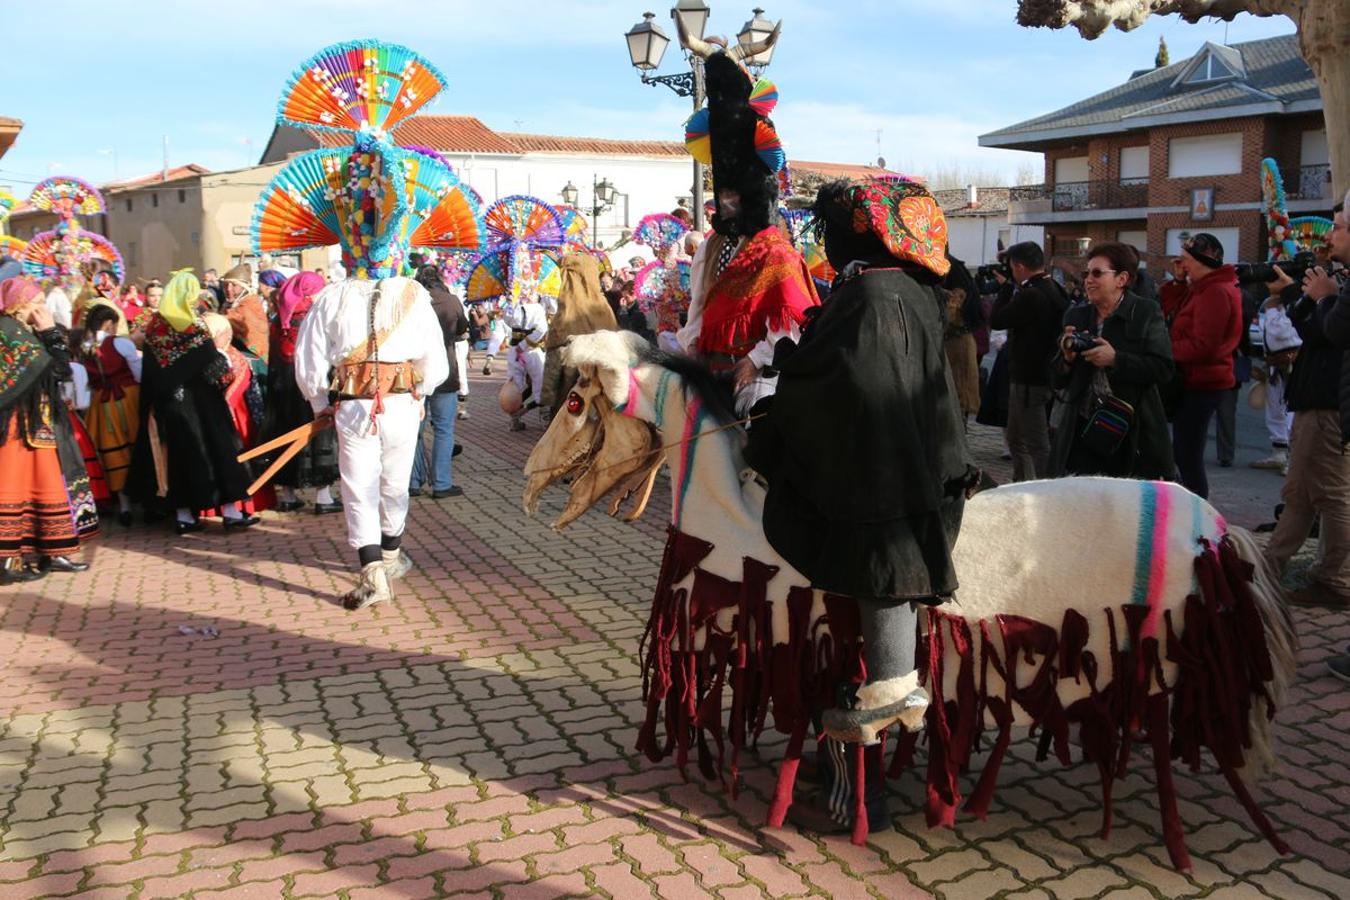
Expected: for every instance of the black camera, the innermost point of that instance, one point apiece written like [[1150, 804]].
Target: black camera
[[985, 280], [1264, 273], [1079, 342]]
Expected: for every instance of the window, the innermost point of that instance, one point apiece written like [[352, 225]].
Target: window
[[128, 204], [1211, 68], [182, 196], [1315, 151], [131, 253], [1213, 154], [1071, 170], [1138, 239], [196, 238], [154, 199], [1134, 165]]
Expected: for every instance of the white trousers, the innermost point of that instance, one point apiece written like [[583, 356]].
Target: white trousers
[[1278, 417], [521, 361], [376, 466], [462, 360]]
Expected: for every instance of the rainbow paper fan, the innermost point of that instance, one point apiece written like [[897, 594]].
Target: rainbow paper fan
[[817, 264], [441, 215], [67, 197], [1310, 232], [361, 85], [764, 96], [296, 210], [455, 266], [574, 225], [697, 139], [11, 246], [768, 146], [40, 257], [657, 283], [432, 152], [489, 278], [520, 219], [795, 221], [606, 265], [660, 231], [7, 203]]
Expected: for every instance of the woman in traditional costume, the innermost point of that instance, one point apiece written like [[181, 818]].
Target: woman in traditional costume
[[863, 449], [183, 381], [37, 514], [114, 416], [287, 409]]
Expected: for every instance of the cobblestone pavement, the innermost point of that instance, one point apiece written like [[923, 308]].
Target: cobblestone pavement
[[474, 737]]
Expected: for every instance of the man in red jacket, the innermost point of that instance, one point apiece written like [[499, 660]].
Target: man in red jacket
[[1204, 311]]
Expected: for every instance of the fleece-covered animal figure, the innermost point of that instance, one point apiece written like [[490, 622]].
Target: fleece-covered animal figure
[[1129, 609]]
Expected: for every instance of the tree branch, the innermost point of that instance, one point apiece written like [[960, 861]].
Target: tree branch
[[1092, 17]]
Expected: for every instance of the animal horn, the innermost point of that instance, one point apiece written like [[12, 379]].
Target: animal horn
[[700, 48], [745, 51]]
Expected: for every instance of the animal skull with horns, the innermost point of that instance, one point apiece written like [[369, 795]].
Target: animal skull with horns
[[704, 48]]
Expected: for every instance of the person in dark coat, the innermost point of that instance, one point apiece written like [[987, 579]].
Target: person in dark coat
[[864, 452], [183, 383], [316, 465], [1318, 392], [443, 403], [1130, 359]]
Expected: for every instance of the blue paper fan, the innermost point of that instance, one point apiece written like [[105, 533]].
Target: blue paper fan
[[359, 85], [296, 210]]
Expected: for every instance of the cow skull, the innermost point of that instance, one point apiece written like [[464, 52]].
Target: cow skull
[[599, 449]]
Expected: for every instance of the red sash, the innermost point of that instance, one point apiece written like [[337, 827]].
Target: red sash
[[765, 287]]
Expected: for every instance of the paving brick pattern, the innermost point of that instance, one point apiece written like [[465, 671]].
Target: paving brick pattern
[[474, 738]]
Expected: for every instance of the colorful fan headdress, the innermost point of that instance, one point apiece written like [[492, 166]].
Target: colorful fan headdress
[[375, 199], [67, 253], [7, 203], [575, 229], [660, 231], [1287, 237], [657, 283], [11, 246]]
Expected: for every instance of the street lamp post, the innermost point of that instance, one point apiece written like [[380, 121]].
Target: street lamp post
[[647, 44], [602, 193]]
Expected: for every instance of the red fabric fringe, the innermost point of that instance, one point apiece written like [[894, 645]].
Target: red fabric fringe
[[1223, 664]]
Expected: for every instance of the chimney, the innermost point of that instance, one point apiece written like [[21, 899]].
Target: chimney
[[972, 195]]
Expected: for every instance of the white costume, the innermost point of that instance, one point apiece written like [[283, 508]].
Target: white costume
[[526, 357], [375, 451], [1278, 334]]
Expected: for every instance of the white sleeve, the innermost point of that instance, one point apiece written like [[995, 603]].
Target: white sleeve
[[433, 365], [127, 348], [59, 306], [77, 389], [311, 352], [689, 334], [762, 353]]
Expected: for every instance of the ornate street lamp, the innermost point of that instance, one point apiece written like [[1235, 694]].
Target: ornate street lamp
[[646, 43], [752, 32], [569, 193], [693, 15]]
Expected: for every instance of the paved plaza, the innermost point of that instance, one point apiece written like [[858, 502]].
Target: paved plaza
[[197, 717]]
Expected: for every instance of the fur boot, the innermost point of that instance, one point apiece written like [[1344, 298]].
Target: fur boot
[[878, 706], [371, 589], [397, 563]]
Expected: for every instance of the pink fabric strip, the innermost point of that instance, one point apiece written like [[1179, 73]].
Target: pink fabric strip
[[691, 417], [1157, 570], [630, 404]]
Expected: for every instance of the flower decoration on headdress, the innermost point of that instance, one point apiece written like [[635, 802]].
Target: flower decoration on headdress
[[375, 199], [67, 254], [907, 220], [660, 231]]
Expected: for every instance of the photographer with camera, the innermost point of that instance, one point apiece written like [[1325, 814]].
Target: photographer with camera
[[1204, 309], [1114, 354], [1031, 313], [1318, 392]]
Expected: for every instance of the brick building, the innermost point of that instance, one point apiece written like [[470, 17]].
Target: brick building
[[1176, 150]]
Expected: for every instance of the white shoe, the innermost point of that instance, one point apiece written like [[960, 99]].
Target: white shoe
[[371, 589], [1278, 459], [397, 563]]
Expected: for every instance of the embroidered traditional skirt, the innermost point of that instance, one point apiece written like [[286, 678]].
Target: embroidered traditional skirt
[[114, 423], [35, 511], [85, 484]]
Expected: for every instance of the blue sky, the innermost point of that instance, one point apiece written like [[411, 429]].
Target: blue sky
[[929, 74]]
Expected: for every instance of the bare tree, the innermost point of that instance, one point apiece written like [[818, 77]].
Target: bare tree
[[1323, 38]]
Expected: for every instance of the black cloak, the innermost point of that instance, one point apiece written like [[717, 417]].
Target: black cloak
[[863, 446]]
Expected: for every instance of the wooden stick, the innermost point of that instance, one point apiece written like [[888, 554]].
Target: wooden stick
[[276, 465], [302, 434]]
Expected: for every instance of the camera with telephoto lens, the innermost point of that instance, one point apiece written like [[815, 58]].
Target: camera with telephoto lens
[[1079, 342], [985, 280], [1264, 273]]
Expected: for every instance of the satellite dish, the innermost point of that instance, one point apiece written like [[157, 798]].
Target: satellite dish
[[881, 162]]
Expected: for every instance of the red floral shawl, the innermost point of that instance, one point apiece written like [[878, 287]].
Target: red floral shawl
[[766, 286]]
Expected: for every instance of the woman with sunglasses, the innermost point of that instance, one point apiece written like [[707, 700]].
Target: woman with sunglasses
[[1114, 346]]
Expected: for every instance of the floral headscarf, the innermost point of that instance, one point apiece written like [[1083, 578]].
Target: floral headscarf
[[178, 306], [16, 292], [907, 220], [904, 216]]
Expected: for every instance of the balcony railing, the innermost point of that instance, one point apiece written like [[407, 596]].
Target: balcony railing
[[1314, 183], [1074, 196]]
